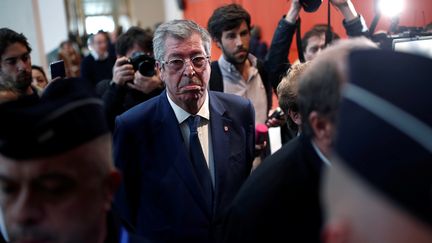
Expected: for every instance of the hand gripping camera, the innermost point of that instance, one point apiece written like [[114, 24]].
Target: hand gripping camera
[[143, 63]]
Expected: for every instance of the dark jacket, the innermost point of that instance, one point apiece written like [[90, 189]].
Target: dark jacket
[[279, 202], [95, 70], [118, 99]]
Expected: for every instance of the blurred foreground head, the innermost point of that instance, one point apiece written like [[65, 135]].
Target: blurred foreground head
[[56, 173], [319, 90], [379, 188]]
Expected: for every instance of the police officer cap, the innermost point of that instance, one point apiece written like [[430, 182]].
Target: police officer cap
[[385, 127], [66, 116]]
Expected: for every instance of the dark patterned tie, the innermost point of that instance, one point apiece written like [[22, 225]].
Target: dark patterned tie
[[198, 160]]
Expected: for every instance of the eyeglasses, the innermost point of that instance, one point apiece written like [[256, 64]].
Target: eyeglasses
[[178, 64]]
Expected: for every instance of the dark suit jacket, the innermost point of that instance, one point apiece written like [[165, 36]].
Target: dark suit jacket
[[279, 202], [160, 195], [96, 70]]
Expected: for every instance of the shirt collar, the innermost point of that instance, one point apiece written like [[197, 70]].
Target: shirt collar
[[320, 154], [97, 57], [182, 115]]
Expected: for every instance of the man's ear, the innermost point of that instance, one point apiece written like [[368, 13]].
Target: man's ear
[[335, 232], [322, 127], [159, 70], [295, 117], [111, 184]]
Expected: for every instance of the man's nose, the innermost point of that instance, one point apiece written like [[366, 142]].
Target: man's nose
[[27, 209], [188, 68], [238, 41], [21, 64]]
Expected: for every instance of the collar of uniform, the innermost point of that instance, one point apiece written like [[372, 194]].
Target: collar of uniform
[[182, 115], [320, 154]]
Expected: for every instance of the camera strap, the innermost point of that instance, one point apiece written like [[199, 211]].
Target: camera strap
[[299, 41], [329, 34]]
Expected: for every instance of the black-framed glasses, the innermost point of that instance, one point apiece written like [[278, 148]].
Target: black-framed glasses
[[178, 64]]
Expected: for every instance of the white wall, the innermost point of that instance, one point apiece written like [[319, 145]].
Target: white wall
[[53, 23], [147, 13], [18, 15], [172, 10], [43, 22]]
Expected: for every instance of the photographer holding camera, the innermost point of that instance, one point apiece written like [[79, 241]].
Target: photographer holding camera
[[135, 78], [313, 42]]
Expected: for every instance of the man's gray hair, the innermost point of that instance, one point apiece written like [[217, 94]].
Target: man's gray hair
[[181, 30]]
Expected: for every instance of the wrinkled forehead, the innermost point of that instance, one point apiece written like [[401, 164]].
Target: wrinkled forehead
[[191, 45], [28, 170]]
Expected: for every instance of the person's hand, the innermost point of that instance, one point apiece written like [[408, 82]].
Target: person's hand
[[346, 8], [273, 122], [293, 12], [123, 71], [338, 3], [276, 121], [146, 84], [260, 148]]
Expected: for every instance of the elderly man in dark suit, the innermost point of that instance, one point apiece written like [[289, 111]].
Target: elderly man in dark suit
[[185, 153]]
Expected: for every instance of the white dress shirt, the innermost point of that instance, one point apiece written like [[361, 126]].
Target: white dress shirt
[[204, 133]]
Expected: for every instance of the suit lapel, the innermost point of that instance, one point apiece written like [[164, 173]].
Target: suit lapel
[[220, 126], [171, 130]]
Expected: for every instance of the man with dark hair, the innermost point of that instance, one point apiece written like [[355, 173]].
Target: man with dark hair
[[16, 61], [57, 177], [237, 71], [129, 87], [313, 41], [185, 153], [279, 202], [97, 65]]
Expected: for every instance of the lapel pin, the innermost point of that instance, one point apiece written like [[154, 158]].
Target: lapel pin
[[226, 128]]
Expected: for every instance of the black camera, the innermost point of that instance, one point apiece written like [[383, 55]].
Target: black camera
[[277, 113], [143, 63]]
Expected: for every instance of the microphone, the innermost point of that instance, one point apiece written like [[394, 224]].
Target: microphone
[[261, 133]]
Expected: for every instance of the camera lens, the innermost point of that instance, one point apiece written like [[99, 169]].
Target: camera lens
[[143, 63], [146, 68]]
